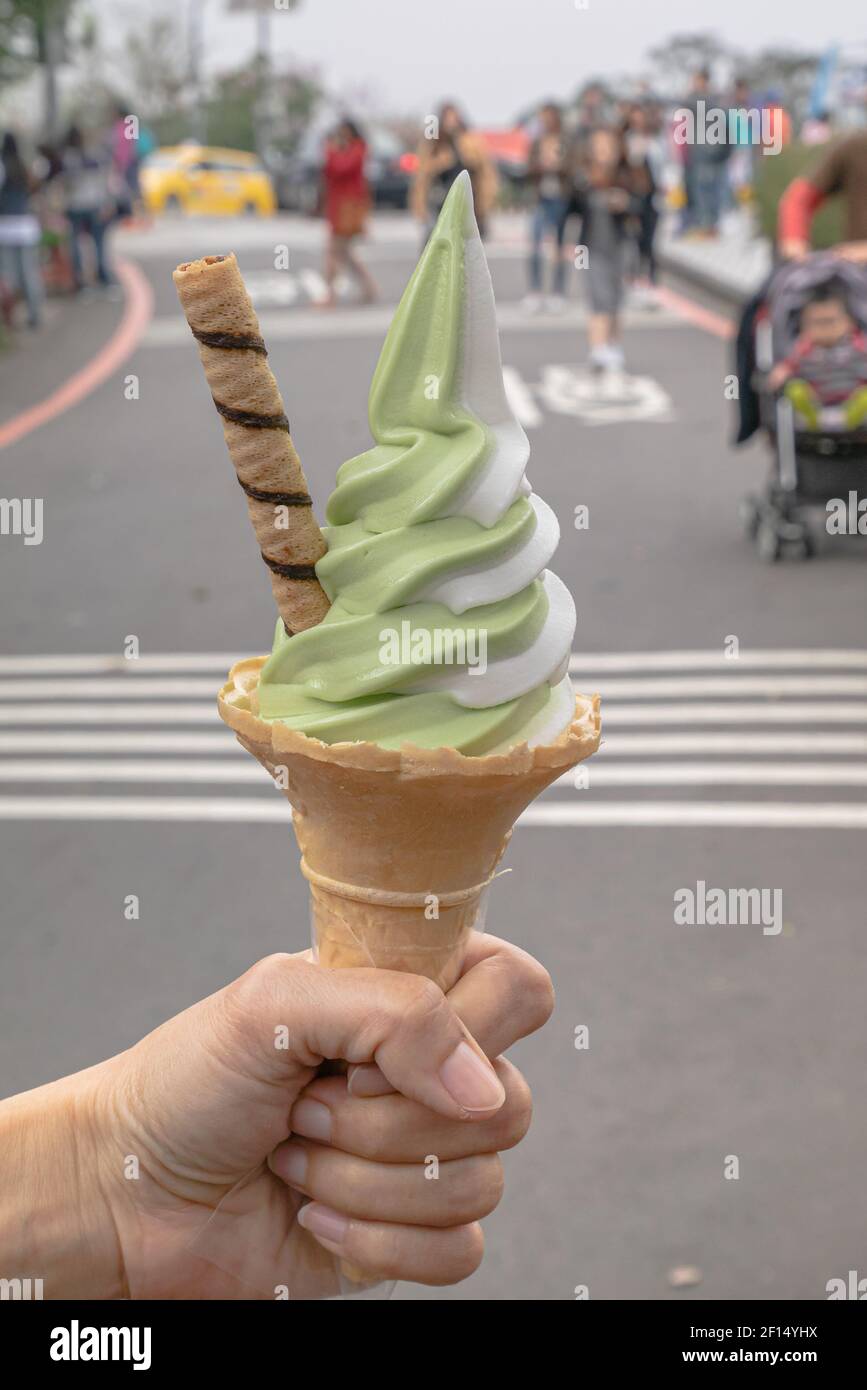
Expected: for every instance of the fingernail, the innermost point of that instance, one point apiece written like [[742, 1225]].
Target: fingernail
[[471, 1081], [290, 1163], [367, 1081], [328, 1226], [312, 1119]]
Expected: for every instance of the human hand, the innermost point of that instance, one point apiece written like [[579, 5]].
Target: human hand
[[777, 376], [206, 1103], [794, 249], [617, 199], [853, 251]]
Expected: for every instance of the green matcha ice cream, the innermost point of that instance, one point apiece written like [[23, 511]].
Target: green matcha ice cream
[[445, 627]]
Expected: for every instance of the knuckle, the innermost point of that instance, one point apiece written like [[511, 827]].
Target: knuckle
[[538, 991], [517, 1112], [419, 1002], [464, 1254]]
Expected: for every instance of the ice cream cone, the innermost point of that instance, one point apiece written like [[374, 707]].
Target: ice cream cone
[[398, 845]]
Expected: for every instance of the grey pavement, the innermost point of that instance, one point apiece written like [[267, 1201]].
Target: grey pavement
[[705, 1042]]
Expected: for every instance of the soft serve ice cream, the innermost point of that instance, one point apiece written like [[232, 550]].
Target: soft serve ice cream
[[446, 629]]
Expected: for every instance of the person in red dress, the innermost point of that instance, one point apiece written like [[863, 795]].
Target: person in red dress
[[347, 202]]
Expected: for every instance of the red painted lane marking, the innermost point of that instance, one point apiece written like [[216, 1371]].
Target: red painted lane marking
[[695, 313], [137, 311]]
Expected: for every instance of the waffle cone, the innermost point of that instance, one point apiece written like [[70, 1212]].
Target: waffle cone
[[399, 845]]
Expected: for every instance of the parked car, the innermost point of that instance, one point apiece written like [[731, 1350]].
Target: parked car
[[202, 179], [389, 169]]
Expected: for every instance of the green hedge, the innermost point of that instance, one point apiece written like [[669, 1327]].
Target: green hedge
[[774, 173]]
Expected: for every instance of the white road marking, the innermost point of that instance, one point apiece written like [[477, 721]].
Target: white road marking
[[29, 742], [520, 398], [553, 813], [651, 745], [374, 322], [618, 746], [735, 685], [109, 714], [129, 712], [760, 815], [695, 659], [736, 712], [130, 770], [714, 659], [721, 774], [106, 688], [649, 774], [115, 663], [313, 284]]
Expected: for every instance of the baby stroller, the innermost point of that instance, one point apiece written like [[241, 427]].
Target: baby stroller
[[810, 466]]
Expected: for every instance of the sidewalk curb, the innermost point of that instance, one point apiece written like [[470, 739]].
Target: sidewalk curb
[[706, 279], [137, 312]]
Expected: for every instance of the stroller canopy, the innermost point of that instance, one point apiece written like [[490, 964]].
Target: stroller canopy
[[795, 282]]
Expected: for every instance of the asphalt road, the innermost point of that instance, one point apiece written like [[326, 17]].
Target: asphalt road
[[705, 1042]]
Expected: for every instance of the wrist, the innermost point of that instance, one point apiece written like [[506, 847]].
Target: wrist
[[56, 1221]]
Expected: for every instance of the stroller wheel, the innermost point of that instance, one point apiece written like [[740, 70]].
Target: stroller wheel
[[768, 542], [805, 548]]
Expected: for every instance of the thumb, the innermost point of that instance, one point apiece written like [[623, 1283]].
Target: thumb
[[403, 1023]]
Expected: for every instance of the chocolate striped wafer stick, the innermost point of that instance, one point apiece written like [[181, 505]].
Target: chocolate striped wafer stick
[[223, 320]]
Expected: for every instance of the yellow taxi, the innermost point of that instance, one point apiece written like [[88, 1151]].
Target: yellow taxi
[[202, 179]]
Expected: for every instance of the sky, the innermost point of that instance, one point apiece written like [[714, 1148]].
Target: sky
[[495, 56]]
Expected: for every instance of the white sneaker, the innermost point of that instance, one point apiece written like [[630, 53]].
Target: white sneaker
[[613, 357], [556, 304], [532, 304]]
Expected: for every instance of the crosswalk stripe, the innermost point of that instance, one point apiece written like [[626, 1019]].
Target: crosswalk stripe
[[128, 739], [736, 686], [551, 813], [651, 745], [109, 714], [110, 662], [683, 687], [589, 663], [613, 715], [31, 742], [760, 815], [737, 712], [618, 746], [107, 688], [648, 774], [715, 659]]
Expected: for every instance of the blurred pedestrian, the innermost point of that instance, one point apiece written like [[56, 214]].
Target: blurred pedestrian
[[451, 148], [743, 117], [817, 130], [90, 204], [604, 188], [705, 160], [842, 169], [19, 232], [550, 183], [126, 158], [592, 113], [644, 157], [347, 204]]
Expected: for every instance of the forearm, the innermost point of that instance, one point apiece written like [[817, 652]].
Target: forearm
[[55, 1223]]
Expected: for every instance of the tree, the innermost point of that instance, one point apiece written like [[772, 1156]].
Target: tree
[[157, 65], [678, 57]]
